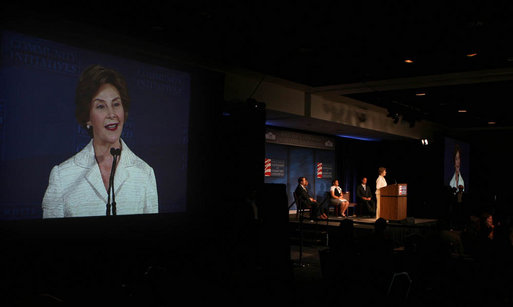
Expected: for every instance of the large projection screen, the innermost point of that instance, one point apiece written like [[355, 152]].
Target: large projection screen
[[38, 129]]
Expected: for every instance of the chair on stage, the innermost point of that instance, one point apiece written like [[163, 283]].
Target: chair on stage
[[351, 206], [330, 205], [300, 207], [346, 196]]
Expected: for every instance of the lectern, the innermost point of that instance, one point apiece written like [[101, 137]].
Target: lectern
[[393, 202]]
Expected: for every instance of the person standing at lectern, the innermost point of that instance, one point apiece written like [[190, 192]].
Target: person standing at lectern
[[364, 199], [305, 200], [380, 183], [80, 185]]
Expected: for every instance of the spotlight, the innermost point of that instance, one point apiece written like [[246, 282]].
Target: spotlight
[[424, 142]]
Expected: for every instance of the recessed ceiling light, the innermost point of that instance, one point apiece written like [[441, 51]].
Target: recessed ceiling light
[[491, 123], [462, 111], [408, 61], [471, 55], [420, 94]]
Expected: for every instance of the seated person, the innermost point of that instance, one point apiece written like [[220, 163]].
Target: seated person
[[337, 200], [305, 200], [366, 205]]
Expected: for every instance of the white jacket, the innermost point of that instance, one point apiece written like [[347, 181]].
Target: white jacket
[[76, 188], [380, 183]]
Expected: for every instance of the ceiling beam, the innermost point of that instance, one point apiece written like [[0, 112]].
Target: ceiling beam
[[472, 77]]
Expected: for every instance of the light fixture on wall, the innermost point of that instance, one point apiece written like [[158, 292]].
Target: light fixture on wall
[[394, 115]]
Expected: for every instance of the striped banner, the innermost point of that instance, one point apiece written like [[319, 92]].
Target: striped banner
[[267, 171], [319, 170]]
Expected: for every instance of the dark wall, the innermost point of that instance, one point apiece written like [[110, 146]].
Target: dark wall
[[237, 150], [206, 107], [491, 170]]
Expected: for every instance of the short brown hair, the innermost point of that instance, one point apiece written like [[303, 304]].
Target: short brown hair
[[381, 170], [92, 78]]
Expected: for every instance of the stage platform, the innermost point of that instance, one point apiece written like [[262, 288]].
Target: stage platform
[[316, 231], [362, 221]]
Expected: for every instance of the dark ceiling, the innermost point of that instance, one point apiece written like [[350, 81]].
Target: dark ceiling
[[336, 43]]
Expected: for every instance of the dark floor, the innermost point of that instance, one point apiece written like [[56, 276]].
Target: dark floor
[[228, 267], [456, 280]]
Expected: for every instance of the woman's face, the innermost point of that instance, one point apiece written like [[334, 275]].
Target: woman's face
[[457, 161], [107, 115], [335, 183]]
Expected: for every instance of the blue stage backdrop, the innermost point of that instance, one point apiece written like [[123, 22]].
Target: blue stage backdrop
[[285, 164], [38, 129]]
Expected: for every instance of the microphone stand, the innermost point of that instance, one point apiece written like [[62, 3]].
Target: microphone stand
[[115, 153], [327, 219], [300, 264]]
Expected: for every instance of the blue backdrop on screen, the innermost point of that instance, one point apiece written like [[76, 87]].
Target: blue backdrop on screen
[[38, 128], [449, 162]]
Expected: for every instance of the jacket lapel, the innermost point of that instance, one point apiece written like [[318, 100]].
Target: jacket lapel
[[120, 177], [125, 161], [85, 158], [94, 178]]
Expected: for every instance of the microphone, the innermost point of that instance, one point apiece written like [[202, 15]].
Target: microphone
[[115, 152]]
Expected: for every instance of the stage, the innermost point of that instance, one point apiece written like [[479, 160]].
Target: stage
[[362, 221], [317, 231]]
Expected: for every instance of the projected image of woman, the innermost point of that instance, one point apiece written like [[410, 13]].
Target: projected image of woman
[[79, 185], [457, 180]]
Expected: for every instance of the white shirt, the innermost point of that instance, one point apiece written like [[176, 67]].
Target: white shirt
[[76, 187], [453, 183], [380, 183], [333, 187]]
